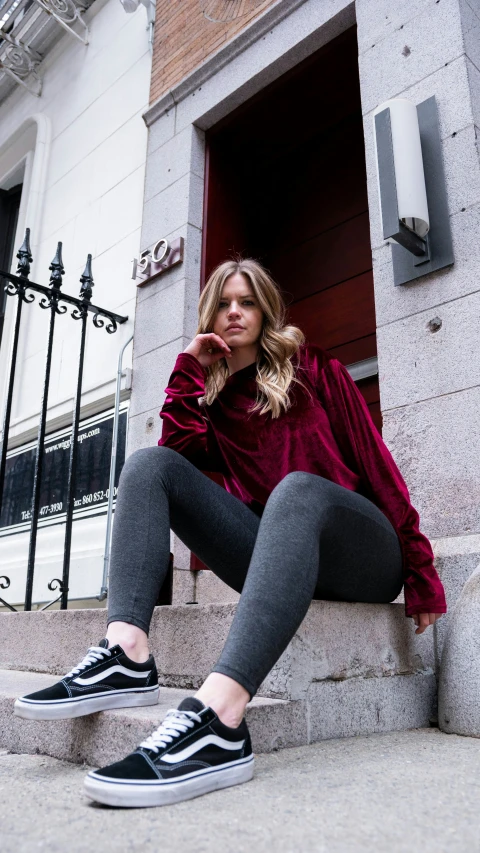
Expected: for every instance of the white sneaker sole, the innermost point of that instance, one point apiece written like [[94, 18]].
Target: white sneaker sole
[[126, 794], [66, 709]]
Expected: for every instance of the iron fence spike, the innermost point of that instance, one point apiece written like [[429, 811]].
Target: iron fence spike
[[56, 268], [24, 256], [87, 282]]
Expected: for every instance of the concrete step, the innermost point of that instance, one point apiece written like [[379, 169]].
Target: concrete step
[[102, 738], [337, 642], [351, 669], [357, 706]]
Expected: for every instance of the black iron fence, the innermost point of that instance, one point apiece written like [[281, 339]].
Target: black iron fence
[[20, 286]]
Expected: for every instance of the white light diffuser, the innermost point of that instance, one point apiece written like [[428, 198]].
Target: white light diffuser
[[407, 155]]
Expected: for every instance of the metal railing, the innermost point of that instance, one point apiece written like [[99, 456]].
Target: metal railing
[[19, 285]]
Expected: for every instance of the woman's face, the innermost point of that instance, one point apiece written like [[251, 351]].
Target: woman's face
[[238, 306]]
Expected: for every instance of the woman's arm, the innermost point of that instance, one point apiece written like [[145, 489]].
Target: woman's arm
[[185, 429], [358, 437]]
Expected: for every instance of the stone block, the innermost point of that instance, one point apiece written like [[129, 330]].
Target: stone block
[[424, 44], [456, 557], [377, 19], [340, 642], [435, 445], [181, 554], [183, 587], [187, 641], [162, 130], [462, 169], [459, 685], [435, 289], [144, 430], [451, 78], [171, 208], [362, 706], [192, 295], [470, 21], [474, 83], [151, 373], [211, 590], [178, 156], [475, 6], [50, 641], [417, 363], [159, 319], [275, 724]]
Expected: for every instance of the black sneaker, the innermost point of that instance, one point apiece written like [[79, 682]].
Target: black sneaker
[[191, 753], [106, 678]]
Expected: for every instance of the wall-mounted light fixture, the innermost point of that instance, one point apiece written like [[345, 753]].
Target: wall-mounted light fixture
[[411, 180]]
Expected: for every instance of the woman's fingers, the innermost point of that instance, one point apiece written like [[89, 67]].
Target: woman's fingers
[[213, 343], [423, 620], [212, 339], [208, 348], [215, 346]]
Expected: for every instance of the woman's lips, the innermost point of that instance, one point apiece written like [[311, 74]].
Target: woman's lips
[[235, 329]]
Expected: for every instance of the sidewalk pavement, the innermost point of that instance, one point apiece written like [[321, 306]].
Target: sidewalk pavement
[[388, 793]]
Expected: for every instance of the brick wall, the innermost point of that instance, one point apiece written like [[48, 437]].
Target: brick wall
[[184, 38]]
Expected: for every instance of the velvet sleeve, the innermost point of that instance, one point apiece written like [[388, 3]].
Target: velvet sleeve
[[184, 427], [356, 433]]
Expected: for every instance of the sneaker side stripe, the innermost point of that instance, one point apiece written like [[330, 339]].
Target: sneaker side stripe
[[100, 676], [149, 783], [215, 740], [44, 703]]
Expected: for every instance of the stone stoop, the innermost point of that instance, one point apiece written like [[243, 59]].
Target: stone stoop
[[102, 738], [351, 669]]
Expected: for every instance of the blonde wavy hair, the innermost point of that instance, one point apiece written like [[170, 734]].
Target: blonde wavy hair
[[278, 342]]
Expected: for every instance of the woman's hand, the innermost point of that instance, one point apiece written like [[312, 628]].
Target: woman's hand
[[423, 620], [208, 348]]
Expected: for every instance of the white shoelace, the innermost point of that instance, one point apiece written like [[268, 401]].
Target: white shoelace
[[94, 654], [176, 723]]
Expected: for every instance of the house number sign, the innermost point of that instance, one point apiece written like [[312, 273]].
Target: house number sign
[[152, 262]]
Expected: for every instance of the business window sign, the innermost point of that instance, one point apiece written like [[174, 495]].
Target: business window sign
[[92, 479]]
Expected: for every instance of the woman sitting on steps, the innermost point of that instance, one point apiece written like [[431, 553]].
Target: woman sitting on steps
[[314, 507]]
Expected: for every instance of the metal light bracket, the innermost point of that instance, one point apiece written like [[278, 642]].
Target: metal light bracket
[[415, 256]]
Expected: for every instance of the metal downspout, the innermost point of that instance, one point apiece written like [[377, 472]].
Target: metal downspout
[[113, 460]]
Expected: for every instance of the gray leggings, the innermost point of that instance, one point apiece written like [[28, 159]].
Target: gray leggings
[[315, 539]]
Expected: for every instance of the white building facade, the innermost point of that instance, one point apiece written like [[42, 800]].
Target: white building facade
[[73, 141]]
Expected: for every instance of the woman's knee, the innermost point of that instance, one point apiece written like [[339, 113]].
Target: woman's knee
[[301, 482], [147, 462], [300, 488]]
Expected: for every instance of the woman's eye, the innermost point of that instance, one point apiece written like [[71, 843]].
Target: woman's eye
[[245, 302]]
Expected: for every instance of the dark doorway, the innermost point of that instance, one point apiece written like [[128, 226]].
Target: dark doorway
[[286, 184], [9, 207]]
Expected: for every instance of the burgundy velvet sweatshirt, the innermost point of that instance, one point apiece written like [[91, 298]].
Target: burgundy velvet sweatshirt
[[331, 434]]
